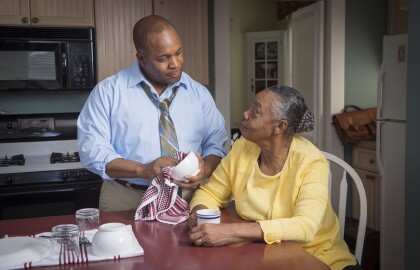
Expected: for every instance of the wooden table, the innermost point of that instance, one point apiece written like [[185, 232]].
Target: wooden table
[[168, 247]]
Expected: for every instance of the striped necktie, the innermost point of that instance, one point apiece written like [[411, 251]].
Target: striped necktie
[[168, 139]]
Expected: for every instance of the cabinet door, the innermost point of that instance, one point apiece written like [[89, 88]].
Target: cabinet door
[[190, 19], [47, 12], [62, 12], [114, 22], [14, 12], [371, 182], [266, 60]]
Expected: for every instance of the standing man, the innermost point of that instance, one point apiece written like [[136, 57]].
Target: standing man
[[127, 134]]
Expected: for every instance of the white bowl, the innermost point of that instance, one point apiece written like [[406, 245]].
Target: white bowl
[[112, 239], [188, 166]]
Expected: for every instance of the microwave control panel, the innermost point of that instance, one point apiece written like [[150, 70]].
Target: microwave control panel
[[80, 65]]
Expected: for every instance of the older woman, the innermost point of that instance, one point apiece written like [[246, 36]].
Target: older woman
[[278, 179]]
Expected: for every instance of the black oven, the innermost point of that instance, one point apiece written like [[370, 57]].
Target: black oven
[[34, 58], [81, 189]]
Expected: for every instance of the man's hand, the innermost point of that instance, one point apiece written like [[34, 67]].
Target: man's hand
[[154, 168]]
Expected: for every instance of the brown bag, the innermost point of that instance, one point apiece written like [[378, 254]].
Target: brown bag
[[355, 126]]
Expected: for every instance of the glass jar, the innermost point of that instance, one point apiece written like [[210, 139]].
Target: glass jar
[[87, 219]]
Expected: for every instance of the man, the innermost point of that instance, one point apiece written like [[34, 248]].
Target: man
[[124, 134]]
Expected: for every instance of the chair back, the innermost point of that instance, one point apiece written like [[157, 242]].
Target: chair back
[[348, 170]]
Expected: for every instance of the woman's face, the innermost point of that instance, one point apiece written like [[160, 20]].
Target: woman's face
[[258, 124]]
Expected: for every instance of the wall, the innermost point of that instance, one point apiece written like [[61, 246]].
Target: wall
[[412, 171], [366, 23], [222, 61], [246, 16], [42, 102]]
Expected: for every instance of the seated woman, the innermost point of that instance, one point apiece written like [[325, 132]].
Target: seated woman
[[278, 179]]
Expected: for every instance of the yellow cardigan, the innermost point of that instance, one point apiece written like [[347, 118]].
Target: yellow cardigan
[[300, 209]]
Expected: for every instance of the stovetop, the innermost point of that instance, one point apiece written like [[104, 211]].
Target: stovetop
[[45, 162], [41, 156], [19, 160]]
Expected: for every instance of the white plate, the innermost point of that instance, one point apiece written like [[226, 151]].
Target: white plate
[[19, 250]]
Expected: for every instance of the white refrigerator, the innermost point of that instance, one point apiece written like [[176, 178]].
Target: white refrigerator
[[390, 150]]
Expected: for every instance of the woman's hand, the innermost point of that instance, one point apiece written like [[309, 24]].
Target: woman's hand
[[212, 235], [192, 221]]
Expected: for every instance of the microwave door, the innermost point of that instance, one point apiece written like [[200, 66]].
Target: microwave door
[[33, 65]]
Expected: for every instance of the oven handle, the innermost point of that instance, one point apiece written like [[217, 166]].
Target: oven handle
[[51, 191]]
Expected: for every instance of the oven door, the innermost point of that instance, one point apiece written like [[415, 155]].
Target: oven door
[[48, 199]]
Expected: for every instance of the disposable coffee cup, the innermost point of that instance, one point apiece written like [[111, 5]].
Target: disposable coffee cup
[[208, 216], [87, 219]]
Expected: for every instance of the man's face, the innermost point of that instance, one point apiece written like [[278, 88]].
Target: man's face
[[162, 62]]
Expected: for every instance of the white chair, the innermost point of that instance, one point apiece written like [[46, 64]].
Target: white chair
[[347, 169]]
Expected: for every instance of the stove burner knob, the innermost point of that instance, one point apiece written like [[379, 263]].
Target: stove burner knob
[[64, 176], [9, 180], [78, 174]]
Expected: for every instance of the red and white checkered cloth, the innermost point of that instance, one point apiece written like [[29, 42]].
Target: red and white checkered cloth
[[161, 200]]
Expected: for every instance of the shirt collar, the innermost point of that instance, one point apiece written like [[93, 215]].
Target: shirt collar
[[136, 76]]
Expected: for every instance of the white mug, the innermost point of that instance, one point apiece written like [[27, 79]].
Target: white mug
[[208, 216]]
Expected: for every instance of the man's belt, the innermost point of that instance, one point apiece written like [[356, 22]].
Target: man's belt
[[131, 185], [139, 187]]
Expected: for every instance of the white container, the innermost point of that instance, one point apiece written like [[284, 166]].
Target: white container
[[188, 166], [208, 216], [112, 239]]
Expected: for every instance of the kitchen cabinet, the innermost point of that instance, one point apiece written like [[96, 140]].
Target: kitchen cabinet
[[47, 12], [266, 60], [191, 21], [364, 163], [114, 22]]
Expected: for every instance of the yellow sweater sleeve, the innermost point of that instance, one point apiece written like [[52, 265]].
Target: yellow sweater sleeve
[[216, 192]]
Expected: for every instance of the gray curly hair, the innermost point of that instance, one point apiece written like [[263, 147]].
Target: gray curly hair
[[289, 105]]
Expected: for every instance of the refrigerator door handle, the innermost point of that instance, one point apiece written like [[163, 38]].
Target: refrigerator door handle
[[379, 86], [379, 160], [379, 123]]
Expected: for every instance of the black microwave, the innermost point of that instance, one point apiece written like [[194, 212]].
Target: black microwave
[[38, 58]]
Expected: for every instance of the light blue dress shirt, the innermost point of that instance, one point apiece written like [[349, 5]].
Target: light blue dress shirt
[[119, 120]]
